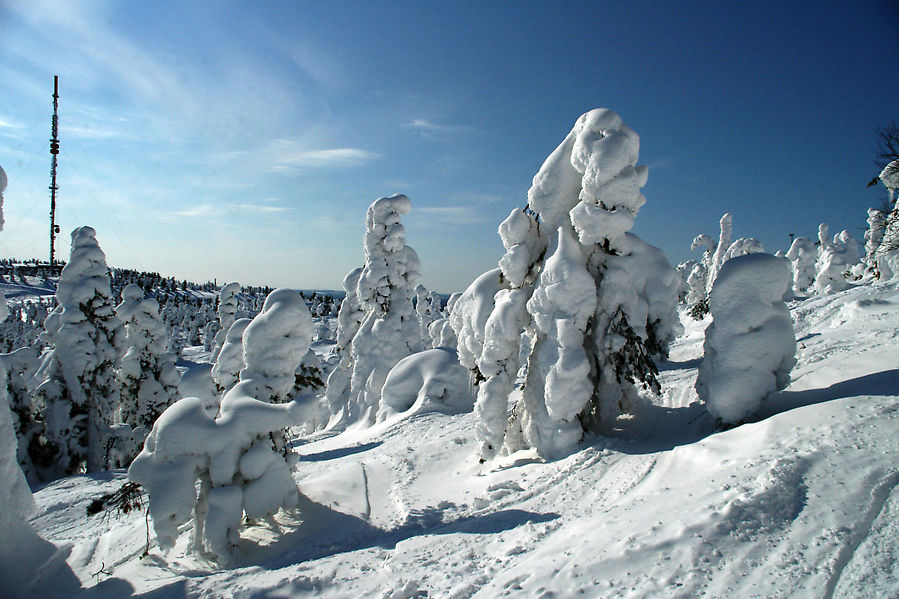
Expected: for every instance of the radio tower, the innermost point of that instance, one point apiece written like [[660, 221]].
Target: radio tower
[[54, 150]]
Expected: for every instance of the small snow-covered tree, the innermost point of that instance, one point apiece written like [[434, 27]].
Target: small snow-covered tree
[[20, 366], [750, 346], [803, 254], [147, 376], [390, 329], [349, 317], [229, 363], [239, 458], [227, 313], [440, 330], [78, 391], [835, 257], [585, 300]]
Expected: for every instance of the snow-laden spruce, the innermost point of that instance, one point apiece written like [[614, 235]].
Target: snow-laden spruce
[[835, 257], [585, 300], [227, 314], [803, 254], [239, 457], [390, 329], [147, 376], [349, 317], [882, 236], [78, 388], [441, 331], [229, 361], [750, 347]]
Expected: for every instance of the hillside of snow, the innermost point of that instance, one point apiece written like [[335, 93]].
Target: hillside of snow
[[802, 502]]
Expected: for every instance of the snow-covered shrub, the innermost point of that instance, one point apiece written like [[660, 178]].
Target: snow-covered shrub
[[803, 254], [227, 314], [429, 381], [78, 392], [589, 317], [147, 376], [835, 257], [231, 457], [390, 329], [750, 346], [229, 361], [427, 307], [441, 330]]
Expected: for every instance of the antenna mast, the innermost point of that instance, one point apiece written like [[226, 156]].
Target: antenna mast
[[54, 150]]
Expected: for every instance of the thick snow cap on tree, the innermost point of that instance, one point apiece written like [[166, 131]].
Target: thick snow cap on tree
[[750, 346], [803, 254], [835, 256], [593, 175], [274, 344], [889, 175], [389, 263]]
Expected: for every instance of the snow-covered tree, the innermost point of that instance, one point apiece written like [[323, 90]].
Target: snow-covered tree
[[227, 314], [240, 457], [750, 346], [229, 363], [20, 366], [882, 237], [803, 254], [588, 302], [440, 330], [147, 376], [78, 391], [835, 257], [390, 329], [349, 318]]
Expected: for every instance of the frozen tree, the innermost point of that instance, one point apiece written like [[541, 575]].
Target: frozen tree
[[274, 344], [229, 363], [390, 329], [469, 314], [427, 307], [835, 257], [349, 317], [882, 237], [20, 366], [587, 302], [239, 458], [210, 472], [147, 376], [742, 247], [78, 391], [803, 254], [750, 346], [718, 257], [227, 313], [441, 331]]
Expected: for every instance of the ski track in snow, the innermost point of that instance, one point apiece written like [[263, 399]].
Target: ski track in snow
[[801, 503]]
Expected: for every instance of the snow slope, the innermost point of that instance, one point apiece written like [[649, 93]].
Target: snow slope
[[801, 503]]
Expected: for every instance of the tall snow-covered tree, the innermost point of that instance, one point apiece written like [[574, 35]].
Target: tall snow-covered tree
[[349, 317], [227, 313], [835, 257], [78, 392], [593, 301], [882, 237], [390, 329], [147, 376], [750, 346], [803, 254], [229, 363]]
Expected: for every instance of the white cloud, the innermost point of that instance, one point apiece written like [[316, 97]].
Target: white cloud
[[431, 130]]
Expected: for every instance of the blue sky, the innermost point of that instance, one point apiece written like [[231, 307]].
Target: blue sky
[[245, 140]]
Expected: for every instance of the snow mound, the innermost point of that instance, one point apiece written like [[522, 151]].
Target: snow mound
[[429, 381]]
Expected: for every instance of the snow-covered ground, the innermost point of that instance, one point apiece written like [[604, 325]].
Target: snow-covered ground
[[801, 503]]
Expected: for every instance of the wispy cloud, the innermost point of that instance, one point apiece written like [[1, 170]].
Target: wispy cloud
[[210, 210], [287, 155], [432, 130]]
